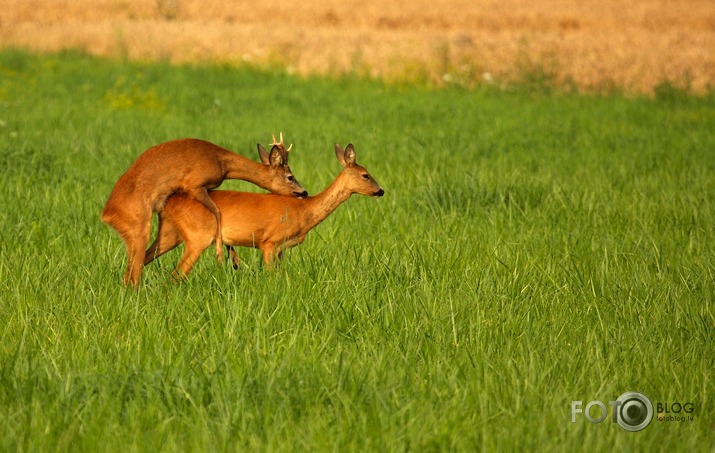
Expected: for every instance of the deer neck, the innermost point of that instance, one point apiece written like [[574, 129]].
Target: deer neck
[[236, 166], [323, 204]]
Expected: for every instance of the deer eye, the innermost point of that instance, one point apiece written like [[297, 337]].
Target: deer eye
[[365, 176], [290, 178]]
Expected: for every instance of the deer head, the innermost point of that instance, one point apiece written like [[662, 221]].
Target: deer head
[[277, 160], [355, 177]]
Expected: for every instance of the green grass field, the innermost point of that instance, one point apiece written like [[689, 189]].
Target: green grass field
[[533, 248]]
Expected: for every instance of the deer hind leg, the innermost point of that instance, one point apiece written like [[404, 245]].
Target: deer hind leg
[[136, 240], [191, 255], [167, 238], [203, 196], [235, 260], [186, 263]]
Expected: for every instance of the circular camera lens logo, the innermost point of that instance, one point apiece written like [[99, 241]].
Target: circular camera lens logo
[[635, 411]]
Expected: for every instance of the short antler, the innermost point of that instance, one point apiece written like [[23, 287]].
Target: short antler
[[280, 143]]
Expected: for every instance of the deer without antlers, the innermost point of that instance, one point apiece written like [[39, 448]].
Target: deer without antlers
[[269, 222], [192, 167]]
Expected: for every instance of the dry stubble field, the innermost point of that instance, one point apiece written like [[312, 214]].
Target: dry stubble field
[[594, 45]]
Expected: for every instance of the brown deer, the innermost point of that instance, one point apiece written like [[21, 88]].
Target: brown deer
[[192, 167], [269, 222]]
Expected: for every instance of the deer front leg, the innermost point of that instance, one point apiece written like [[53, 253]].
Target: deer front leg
[[269, 256], [272, 256]]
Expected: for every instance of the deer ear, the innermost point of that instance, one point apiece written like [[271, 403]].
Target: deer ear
[[340, 155], [263, 154], [276, 157], [350, 155]]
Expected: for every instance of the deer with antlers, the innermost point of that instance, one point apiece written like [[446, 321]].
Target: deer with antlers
[[191, 167], [269, 222]]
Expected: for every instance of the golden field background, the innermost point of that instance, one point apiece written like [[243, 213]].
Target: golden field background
[[594, 45]]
